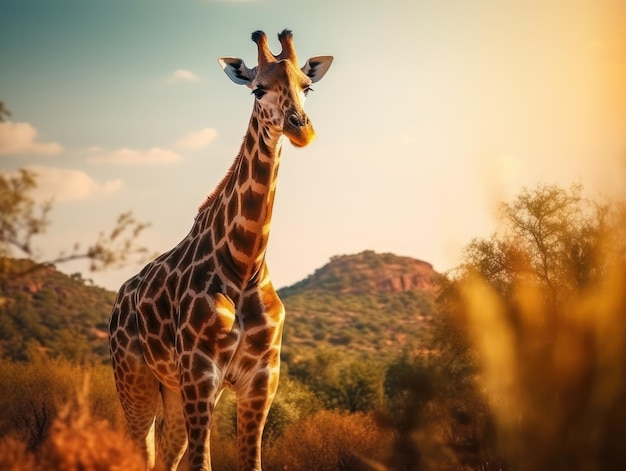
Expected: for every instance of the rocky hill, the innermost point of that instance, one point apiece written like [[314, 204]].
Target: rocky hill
[[366, 303], [368, 271]]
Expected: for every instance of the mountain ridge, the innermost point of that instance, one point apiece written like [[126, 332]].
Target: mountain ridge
[[359, 303]]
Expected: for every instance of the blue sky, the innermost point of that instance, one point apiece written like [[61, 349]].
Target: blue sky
[[432, 113]]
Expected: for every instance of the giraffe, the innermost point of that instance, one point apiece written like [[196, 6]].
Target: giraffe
[[204, 316]]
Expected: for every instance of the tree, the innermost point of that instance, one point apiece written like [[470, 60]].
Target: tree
[[540, 309], [21, 220], [551, 236], [342, 382]]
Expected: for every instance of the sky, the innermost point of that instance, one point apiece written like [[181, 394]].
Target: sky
[[432, 113]]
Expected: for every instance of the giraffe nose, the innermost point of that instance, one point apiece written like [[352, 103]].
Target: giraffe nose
[[296, 120], [298, 128]]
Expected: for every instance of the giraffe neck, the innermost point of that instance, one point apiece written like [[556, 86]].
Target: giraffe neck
[[239, 216]]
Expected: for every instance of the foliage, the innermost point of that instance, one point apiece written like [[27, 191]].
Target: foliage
[[293, 402], [364, 303], [73, 434], [328, 441], [519, 366], [536, 321], [340, 381], [49, 313], [33, 393], [65, 316], [21, 220], [550, 238], [82, 425]]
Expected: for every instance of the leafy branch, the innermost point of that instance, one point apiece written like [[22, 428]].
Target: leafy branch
[[21, 220]]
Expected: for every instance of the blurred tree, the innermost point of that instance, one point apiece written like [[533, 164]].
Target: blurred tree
[[523, 335], [4, 112], [21, 219], [550, 237]]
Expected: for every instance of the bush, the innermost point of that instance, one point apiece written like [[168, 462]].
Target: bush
[[328, 441], [75, 441], [31, 395]]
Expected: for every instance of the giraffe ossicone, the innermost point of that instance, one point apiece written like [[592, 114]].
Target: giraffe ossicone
[[204, 315]]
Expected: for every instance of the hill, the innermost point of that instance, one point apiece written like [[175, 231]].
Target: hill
[[46, 311], [364, 303]]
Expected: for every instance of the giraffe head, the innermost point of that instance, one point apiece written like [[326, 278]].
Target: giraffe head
[[279, 86]]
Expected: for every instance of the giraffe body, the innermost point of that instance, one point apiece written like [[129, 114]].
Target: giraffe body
[[205, 316]]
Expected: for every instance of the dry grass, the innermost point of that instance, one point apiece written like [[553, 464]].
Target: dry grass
[[74, 436], [74, 441], [328, 441]]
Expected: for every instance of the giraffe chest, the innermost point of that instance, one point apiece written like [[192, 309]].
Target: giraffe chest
[[209, 327]]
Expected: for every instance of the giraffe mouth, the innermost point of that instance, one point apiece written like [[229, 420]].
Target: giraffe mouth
[[302, 138], [298, 129]]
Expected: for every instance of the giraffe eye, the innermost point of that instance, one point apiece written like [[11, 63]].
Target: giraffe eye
[[258, 93], [307, 90]]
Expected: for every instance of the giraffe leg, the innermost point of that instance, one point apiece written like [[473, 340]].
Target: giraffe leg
[[253, 404], [199, 397], [203, 348], [137, 388], [173, 439], [139, 400]]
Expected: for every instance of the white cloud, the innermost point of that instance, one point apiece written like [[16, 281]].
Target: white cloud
[[62, 184], [183, 75], [21, 138], [197, 139], [156, 155]]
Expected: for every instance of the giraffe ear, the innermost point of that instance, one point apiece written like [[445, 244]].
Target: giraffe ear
[[237, 70], [316, 67]]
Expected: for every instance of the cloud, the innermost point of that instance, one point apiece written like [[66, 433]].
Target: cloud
[[197, 140], [183, 75], [62, 184], [125, 156], [21, 138]]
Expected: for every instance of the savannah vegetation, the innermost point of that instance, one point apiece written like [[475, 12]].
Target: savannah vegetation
[[516, 360]]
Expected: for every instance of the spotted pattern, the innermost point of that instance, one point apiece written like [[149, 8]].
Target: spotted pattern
[[204, 315]]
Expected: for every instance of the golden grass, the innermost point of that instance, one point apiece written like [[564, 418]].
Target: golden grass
[[74, 441]]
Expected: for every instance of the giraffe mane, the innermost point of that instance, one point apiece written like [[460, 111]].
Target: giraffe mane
[[264, 57], [220, 186]]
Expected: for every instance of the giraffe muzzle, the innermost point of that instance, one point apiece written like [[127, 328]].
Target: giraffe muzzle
[[298, 128]]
